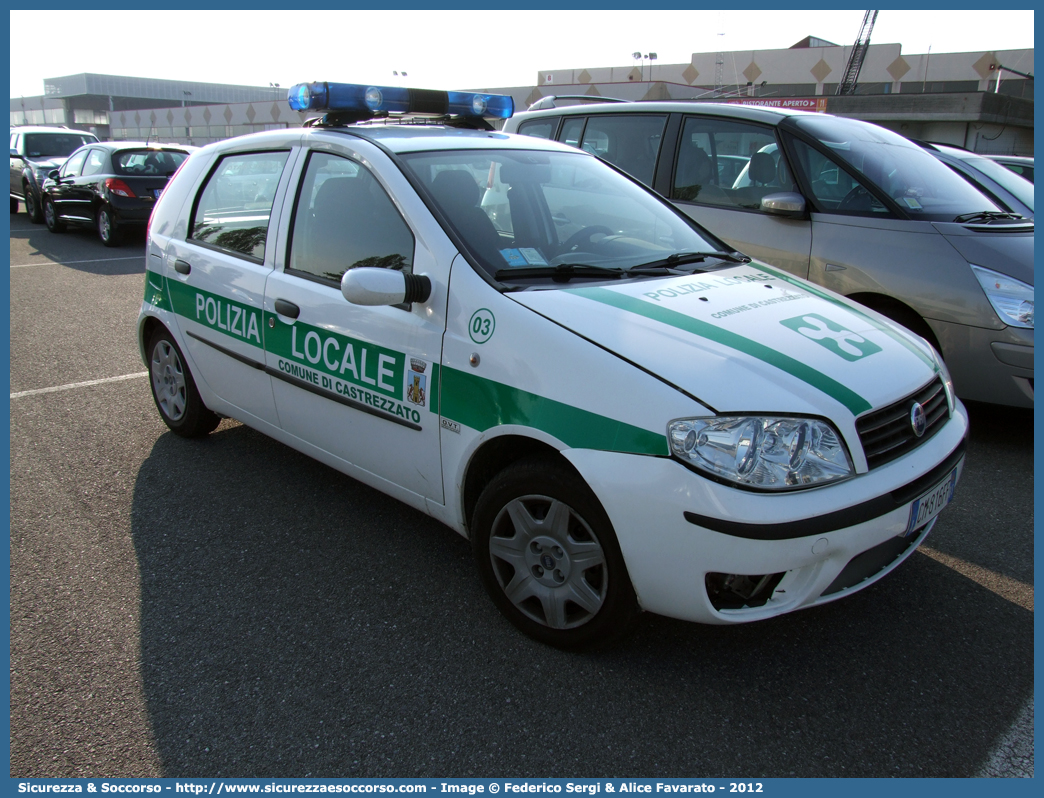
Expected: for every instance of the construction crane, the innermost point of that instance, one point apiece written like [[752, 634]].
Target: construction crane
[[855, 61]]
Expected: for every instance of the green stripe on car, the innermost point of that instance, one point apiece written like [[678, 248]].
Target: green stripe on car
[[831, 387], [483, 404]]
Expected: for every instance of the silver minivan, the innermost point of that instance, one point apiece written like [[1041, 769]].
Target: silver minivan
[[846, 204]]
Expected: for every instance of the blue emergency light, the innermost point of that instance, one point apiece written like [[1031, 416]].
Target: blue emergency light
[[360, 98]]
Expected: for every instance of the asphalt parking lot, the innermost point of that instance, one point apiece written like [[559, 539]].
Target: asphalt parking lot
[[229, 607]]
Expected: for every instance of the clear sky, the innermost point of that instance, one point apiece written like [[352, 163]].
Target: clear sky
[[449, 49]]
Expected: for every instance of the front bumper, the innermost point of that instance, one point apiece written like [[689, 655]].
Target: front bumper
[[994, 366], [675, 528]]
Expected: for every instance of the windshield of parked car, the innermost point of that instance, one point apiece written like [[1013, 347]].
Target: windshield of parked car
[[921, 185], [148, 162], [54, 145], [520, 209]]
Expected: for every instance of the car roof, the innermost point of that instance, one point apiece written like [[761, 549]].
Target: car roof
[[1019, 159], [756, 113], [418, 138], [398, 137], [47, 129], [138, 145]]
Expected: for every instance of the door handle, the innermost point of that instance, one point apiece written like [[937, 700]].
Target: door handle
[[182, 266], [289, 309]]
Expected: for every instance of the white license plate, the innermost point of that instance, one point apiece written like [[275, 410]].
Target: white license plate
[[931, 503]]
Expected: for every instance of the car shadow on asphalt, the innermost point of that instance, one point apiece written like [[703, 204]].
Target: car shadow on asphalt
[[295, 622]]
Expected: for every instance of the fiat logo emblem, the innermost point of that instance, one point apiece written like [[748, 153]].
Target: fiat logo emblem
[[918, 420]]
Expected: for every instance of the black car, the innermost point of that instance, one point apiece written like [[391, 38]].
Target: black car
[[35, 152], [110, 185]]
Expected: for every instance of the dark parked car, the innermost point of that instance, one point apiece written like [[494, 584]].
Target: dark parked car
[[111, 186], [36, 151], [1009, 190], [1019, 164]]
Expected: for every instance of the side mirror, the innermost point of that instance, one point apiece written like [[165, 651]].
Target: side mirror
[[54, 174], [785, 203], [369, 286], [15, 154]]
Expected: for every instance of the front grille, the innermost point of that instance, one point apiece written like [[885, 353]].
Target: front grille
[[888, 433], [871, 563]]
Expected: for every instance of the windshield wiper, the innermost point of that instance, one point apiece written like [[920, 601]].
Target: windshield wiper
[[681, 258], [987, 216], [563, 272]]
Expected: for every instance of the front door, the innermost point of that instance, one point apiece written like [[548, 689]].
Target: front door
[[359, 383], [723, 169]]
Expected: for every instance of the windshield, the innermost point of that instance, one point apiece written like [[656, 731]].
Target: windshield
[[920, 184], [529, 209], [54, 145]]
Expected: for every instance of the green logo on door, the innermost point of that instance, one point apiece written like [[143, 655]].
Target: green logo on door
[[832, 336]]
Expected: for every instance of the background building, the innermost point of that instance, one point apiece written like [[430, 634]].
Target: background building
[[954, 98]]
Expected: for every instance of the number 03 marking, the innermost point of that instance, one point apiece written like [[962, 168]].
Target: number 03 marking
[[481, 326]]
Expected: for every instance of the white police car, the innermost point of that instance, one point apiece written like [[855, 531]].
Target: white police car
[[506, 333]]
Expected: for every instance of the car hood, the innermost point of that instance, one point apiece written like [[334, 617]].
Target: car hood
[[747, 339], [1009, 253], [44, 162]]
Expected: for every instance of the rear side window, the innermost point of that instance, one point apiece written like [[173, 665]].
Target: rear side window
[[541, 128], [148, 162], [630, 143], [344, 219], [234, 208]]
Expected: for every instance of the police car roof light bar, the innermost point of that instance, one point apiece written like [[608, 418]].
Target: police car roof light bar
[[381, 100]]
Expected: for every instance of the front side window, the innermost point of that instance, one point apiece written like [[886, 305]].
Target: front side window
[[233, 209], [834, 189], [721, 162], [71, 168], [517, 209], [921, 185], [95, 162], [344, 219]]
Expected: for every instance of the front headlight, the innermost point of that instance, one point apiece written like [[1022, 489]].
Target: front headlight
[[1011, 298], [762, 452]]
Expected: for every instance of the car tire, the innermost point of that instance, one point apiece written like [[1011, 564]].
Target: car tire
[[32, 204], [174, 390], [50, 215], [14, 205], [548, 556], [108, 231]]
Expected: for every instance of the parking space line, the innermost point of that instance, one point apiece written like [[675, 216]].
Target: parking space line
[[70, 262], [73, 385], [1013, 590]]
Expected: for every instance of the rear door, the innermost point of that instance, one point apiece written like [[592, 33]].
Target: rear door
[[216, 278]]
